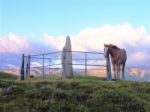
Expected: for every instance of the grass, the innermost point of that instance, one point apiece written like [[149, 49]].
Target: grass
[[78, 94], [8, 76]]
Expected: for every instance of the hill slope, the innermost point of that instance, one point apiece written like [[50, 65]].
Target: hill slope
[[79, 94], [7, 76]]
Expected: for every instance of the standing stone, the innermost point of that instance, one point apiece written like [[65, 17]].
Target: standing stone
[[67, 59], [63, 60]]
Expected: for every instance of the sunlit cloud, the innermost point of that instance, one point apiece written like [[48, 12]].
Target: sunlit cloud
[[94, 38], [54, 42], [35, 64], [139, 56], [13, 43], [135, 40], [139, 72], [12, 66]]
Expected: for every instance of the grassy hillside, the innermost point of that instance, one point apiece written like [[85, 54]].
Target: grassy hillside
[[8, 76], [79, 94]]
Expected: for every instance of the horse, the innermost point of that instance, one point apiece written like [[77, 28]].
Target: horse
[[118, 59]]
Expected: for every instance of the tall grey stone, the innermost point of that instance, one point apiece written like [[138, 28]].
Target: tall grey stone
[[67, 59], [63, 61]]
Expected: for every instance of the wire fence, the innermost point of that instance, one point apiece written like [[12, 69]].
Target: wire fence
[[50, 64]]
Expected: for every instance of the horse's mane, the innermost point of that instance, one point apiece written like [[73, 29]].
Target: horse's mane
[[114, 46]]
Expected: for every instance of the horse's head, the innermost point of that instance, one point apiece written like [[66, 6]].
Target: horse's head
[[107, 48]]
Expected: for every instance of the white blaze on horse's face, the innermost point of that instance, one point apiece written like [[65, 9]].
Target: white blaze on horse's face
[[105, 51]]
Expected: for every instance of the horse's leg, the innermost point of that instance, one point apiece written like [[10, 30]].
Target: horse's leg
[[114, 70], [123, 66], [120, 66], [117, 72], [120, 72]]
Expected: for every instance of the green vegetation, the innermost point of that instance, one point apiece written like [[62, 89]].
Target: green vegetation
[[79, 94], [8, 76]]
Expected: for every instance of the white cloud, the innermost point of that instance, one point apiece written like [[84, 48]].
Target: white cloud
[[140, 56], [139, 59], [94, 38], [55, 42], [36, 64], [13, 44], [12, 66], [135, 40]]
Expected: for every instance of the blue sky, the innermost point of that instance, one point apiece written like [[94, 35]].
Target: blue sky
[[57, 17]]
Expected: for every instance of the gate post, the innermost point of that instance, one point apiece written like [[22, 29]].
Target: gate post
[[43, 66], [28, 66], [85, 63], [108, 67], [22, 68], [26, 73]]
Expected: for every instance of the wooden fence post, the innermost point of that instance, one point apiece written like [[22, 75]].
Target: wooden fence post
[[85, 63], [108, 66], [49, 67], [28, 74], [22, 68], [27, 66], [43, 66]]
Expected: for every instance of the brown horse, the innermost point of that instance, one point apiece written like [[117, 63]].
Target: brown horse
[[118, 59]]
